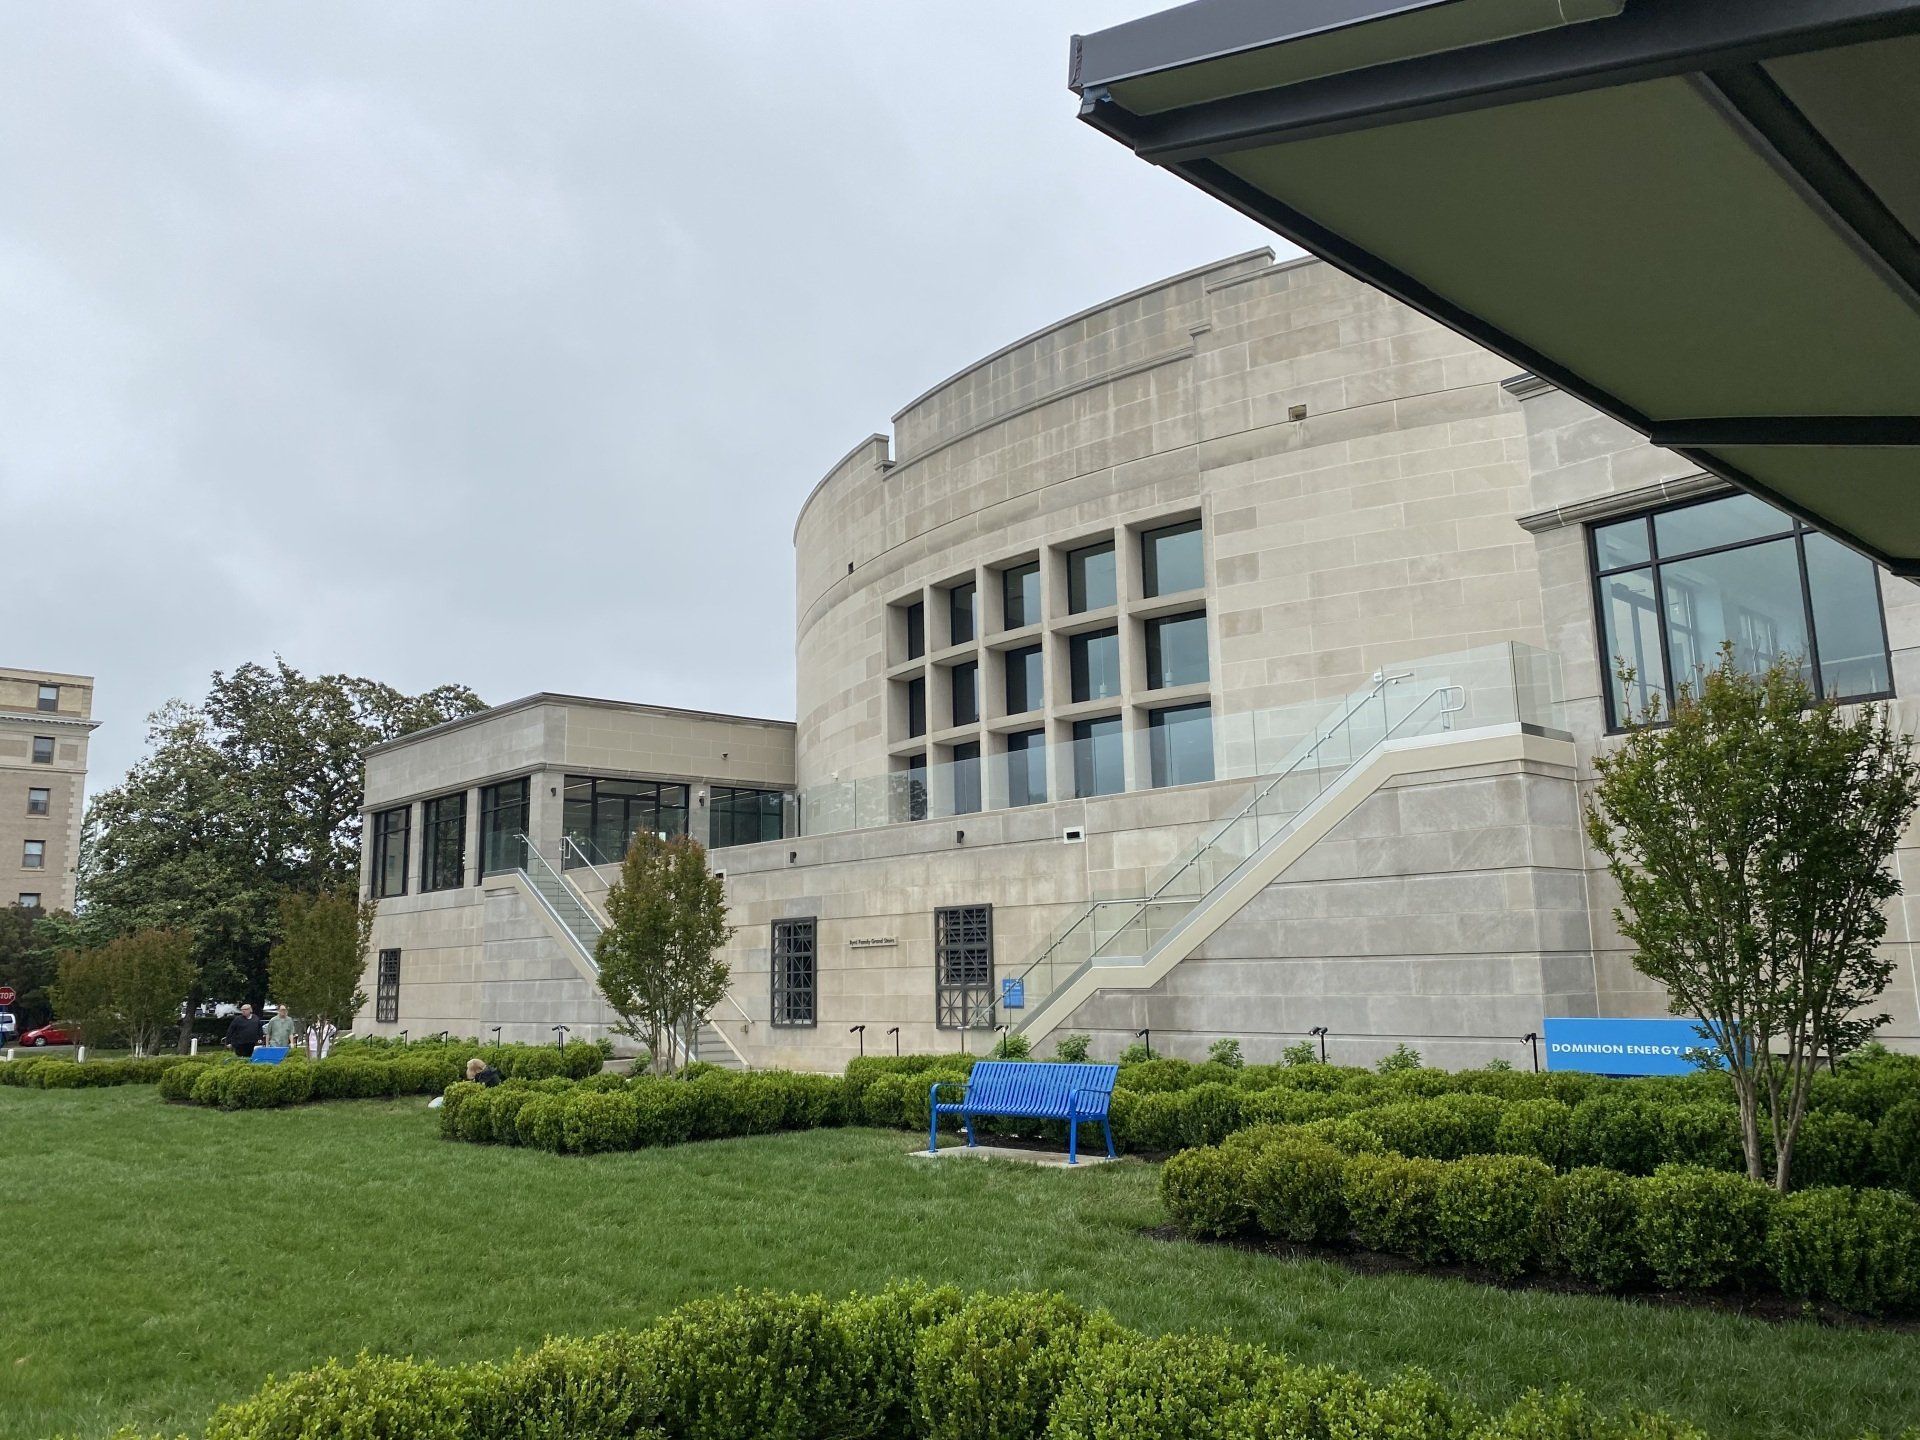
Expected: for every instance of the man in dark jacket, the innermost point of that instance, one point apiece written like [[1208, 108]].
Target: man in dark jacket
[[244, 1032]]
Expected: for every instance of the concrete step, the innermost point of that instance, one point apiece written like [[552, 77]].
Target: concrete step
[[713, 1049]]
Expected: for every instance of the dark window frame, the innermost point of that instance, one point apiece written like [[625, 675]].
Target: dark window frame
[[1077, 593], [914, 777], [740, 805], [916, 620], [660, 799], [386, 989], [916, 707], [1159, 752], [1030, 741], [971, 590], [1791, 528], [492, 805], [971, 670], [963, 967], [968, 792], [45, 805], [794, 973], [434, 824], [1156, 650], [1086, 756], [1036, 694], [1013, 580], [52, 745], [1150, 560], [30, 899], [1080, 667], [383, 833]]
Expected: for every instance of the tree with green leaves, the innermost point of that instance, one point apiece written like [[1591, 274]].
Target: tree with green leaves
[[1751, 832], [660, 967], [31, 941], [132, 988], [315, 970], [253, 794]]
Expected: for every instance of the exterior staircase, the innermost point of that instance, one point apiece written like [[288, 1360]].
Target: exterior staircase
[[714, 1048], [1130, 942]]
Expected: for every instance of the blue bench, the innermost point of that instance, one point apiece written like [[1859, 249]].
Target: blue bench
[[1028, 1090], [269, 1054]]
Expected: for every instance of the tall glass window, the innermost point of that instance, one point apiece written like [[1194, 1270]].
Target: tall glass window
[[966, 778], [601, 817], [916, 630], [1091, 580], [1027, 767], [1672, 586], [966, 693], [1095, 663], [504, 817], [1099, 766], [917, 705], [1021, 593], [443, 842], [915, 783], [386, 989], [1180, 745], [742, 817], [1026, 686], [390, 851], [795, 972], [1177, 650], [1170, 559], [961, 601]]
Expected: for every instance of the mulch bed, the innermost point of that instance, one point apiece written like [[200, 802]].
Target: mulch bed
[[1752, 1305]]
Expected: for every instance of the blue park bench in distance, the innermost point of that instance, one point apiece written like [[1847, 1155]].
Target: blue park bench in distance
[[1028, 1090]]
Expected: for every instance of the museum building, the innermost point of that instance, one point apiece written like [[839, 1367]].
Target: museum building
[[1224, 660]]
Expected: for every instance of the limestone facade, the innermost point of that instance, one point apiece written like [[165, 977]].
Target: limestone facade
[[45, 723]]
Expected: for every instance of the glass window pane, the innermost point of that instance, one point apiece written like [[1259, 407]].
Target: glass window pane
[[916, 780], [1027, 767], [1177, 650], [1847, 624], [1750, 596], [1632, 642], [1180, 745], [1091, 582], [1099, 766], [1717, 522], [960, 613], [1022, 595], [966, 693], [966, 779], [916, 630], [917, 706], [1025, 688], [1624, 543], [1095, 661], [1170, 559]]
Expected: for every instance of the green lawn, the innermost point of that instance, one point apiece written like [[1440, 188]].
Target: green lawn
[[166, 1258]]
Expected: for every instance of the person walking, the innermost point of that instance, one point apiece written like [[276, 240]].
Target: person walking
[[244, 1032], [280, 1028]]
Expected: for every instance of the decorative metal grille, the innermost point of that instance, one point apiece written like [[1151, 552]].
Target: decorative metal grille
[[963, 967], [386, 1004], [795, 971]]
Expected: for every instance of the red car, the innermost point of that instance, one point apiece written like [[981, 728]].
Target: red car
[[52, 1034]]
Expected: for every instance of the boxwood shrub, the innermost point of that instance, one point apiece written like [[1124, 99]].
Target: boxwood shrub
[[1702, 1229], [1594, 1217], [910, 1363], [1856, 1248], [1492, 1210]]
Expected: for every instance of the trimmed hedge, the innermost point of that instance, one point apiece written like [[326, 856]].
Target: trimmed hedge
[[52, 1073], [913, 1363], [364, 1073], [1681, 1228]]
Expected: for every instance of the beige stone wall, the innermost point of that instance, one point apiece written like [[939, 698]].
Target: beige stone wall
[[1587, 468], [1377, 529], [69, 725]]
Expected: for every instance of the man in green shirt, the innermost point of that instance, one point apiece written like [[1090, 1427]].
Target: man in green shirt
[[280, 1028]]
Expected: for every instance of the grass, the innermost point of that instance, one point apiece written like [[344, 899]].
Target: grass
[[165, 1259]]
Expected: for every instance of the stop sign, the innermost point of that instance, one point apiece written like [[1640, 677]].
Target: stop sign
[[6, 995]]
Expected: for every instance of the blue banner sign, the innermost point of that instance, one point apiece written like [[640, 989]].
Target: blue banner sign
[[1621, 1047], [1013, 993]]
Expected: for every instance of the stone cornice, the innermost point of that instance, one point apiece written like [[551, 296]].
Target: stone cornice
[[1624, 502]]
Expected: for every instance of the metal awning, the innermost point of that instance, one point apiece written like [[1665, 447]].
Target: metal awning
[[1699, 216]]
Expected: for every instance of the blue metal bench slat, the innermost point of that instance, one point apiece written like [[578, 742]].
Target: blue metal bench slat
[[1029, 1090]]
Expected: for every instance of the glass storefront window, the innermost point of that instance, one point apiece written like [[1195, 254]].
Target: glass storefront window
[[503, 821], [601, 817], [743, 817]]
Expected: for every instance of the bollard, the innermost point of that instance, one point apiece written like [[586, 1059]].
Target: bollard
[[80, 1055], [193, 1045]]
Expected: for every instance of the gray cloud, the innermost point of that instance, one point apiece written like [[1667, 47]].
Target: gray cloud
[[500, 342]]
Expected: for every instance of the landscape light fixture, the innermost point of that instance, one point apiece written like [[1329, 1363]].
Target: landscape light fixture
[[1320, 1033], [895, 1032], [560, 1036], [861, 1031], [1147, 1037]]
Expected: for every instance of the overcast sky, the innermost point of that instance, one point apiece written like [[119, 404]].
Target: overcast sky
[[500, 343]]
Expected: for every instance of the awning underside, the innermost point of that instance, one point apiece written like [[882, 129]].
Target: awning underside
[[1722, 257]]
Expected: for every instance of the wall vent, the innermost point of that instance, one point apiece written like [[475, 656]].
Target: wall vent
[[1074, 835]]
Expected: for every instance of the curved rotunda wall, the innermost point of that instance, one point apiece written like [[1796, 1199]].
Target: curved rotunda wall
[[1356, 468]]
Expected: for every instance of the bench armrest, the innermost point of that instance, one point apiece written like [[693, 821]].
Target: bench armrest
[[1073, 1096], [933, 1091]]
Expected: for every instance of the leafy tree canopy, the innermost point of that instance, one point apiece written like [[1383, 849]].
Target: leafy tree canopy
[[247, 796], [659, 960], [315, 969]]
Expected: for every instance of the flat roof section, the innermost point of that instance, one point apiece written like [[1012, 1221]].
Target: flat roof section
[[548, 697], [1698, 217]]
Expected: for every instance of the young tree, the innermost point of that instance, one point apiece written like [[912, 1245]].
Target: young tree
[[131, 988], [1751, 836], [659, 964], [315, 969]]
